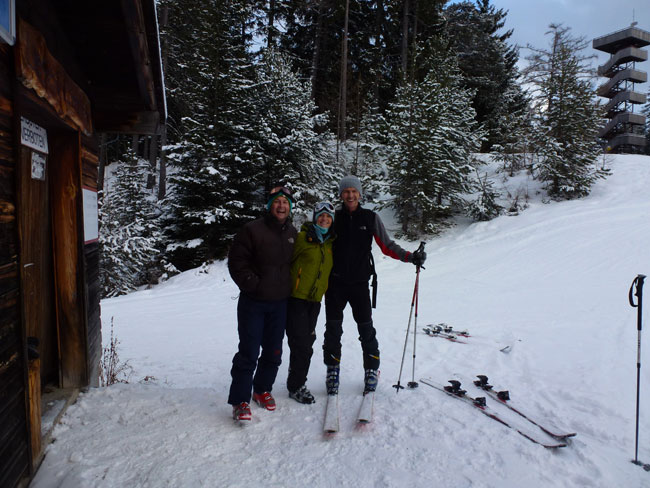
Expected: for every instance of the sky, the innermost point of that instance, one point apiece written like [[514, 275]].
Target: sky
[[589, 18]]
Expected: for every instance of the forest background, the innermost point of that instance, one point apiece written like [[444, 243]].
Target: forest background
[[402, 93]]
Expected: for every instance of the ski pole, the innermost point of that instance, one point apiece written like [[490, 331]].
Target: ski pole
[[638, 284], [413, 383], [398, 386]]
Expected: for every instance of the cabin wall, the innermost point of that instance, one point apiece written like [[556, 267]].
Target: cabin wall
[[89, 171], [70, 336], [14, 432]]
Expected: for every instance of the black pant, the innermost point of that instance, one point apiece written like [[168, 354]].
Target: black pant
[[358, 296], [260, 325], [301, 334]]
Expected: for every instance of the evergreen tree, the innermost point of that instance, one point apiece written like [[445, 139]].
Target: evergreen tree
[[432, 134], [210, 94], [287, 136], [130, 236], [485, 206], [489, 66], [369, 149], [568, 117]]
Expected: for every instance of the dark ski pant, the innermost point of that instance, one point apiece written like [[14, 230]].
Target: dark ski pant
[[260, 325], [358, 296], [301, 334]]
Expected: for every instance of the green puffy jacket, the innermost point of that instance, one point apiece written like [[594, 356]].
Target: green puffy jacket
[[311, 264]]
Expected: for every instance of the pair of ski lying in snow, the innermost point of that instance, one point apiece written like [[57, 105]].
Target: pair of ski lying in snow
[[446, 332], [501, 397]]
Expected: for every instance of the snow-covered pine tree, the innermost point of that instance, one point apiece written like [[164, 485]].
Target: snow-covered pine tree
[[289, 136], [369, 149], [432, 133], [489, 66], [212, 150], [130, 237], [485, 206], [515, 149], [568, 117]]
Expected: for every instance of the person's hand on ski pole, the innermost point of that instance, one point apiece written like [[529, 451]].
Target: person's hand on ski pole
[[419, 256]]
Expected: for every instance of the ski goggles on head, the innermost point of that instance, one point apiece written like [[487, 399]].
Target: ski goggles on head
[[280, 191], [324, 207], [321, 208]]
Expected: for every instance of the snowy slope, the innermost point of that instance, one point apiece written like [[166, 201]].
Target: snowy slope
[[550, 283]]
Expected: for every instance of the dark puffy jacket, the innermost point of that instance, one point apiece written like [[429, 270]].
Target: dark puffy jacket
[[353, 244], [260, 258]]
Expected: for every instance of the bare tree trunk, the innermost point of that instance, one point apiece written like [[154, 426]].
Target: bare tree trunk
[[379, 35], [153, 155], [405, 37], [102, 162], [162, 168], [135, 142], [343, 88], [270, 28], [315, 60]]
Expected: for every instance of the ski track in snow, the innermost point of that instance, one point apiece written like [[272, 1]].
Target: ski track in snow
[[550, 283]]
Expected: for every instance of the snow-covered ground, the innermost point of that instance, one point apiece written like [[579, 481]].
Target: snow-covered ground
[[550, 283]]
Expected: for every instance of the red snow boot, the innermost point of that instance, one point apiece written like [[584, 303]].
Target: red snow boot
[[264, 400], [241, 411]]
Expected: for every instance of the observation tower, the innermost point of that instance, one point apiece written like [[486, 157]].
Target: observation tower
[[624, 131]]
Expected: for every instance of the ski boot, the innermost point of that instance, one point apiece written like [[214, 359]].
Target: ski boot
[[371, 378], [332, 380], [302, 395]]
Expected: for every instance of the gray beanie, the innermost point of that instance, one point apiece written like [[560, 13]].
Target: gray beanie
[[350, 182]]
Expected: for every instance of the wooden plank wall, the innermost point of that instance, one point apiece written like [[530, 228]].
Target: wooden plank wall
[[89, 168], [14, 448]]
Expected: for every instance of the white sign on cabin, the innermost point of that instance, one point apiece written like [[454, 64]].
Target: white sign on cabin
[[32, 135], [38, 166], [91, 220]]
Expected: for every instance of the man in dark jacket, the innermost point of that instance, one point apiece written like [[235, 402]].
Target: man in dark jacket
[[259, 262], [355, 228]]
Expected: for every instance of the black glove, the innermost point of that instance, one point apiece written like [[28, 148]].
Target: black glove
[[419, 257]]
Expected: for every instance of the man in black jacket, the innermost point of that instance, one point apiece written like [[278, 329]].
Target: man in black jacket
[[355, 228], [259, 262]]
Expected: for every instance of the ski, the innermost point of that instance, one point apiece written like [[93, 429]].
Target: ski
[[365, 411], [448, 329], [437, 332], [331, 424], [503, 397], [454, 391]]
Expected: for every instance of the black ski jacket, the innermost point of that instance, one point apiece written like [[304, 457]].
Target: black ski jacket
[[353, 245], [260, 258]]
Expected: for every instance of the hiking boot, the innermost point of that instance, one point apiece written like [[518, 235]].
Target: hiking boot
[[332, 380], [302, 395], [371, 379], [264, 400], [241, 411]]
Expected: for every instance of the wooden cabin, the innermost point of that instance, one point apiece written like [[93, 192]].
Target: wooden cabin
[[69, 70]]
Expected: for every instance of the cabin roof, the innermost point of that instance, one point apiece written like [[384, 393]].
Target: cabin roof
[[112, 50]]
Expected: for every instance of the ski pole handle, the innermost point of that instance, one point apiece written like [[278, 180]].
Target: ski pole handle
[[421, 248], [638, 281], [638, 284]]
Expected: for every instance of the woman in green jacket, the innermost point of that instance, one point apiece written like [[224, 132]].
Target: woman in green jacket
[[310, 270]]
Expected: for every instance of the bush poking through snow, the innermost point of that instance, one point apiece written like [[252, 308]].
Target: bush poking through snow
[[111, 369]]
